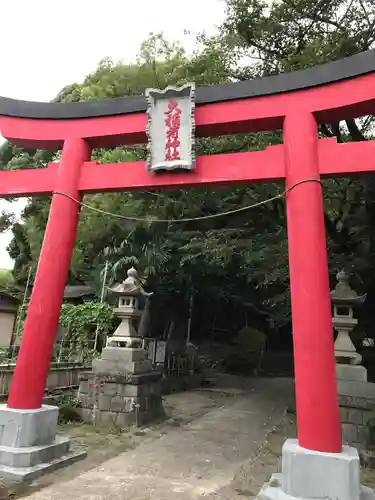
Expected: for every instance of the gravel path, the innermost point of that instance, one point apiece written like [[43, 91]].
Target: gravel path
[[218, 444]]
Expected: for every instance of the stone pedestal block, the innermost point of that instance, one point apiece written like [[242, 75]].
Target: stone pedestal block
[[355, 373], [357, 407], [310, 474], [122, 361], [110, 367], [125, 355], [119, 392], [28, 443]]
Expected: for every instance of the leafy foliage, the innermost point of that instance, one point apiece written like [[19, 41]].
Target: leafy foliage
[[245, 351], [68, 408], [84, 320], [6, 279]]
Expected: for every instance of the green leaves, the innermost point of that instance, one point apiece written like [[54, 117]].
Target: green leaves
[[81, 321], [237, 265]]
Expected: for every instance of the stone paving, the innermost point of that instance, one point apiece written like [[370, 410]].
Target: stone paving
[[199, 459]]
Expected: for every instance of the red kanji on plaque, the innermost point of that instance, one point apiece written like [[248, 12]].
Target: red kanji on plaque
[[170, 128], [172, 122]]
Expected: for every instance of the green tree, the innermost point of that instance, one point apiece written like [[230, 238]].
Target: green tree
[[236, 266]]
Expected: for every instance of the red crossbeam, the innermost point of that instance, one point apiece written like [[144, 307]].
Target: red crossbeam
[[29, 182], [352, 158], [340, 100], [239, 168], [226, 169]]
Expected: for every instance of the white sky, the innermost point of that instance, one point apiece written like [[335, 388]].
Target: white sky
[[47, 44]]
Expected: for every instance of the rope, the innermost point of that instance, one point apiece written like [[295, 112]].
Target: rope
[[192, 219]]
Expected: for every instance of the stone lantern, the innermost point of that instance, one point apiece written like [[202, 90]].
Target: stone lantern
[[344, 300], [356, 394], [128, 294], [123, 388], [124, 353]]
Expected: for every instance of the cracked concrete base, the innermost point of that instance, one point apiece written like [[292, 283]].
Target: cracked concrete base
[[28, 474], [273, 491], [29, 446], [310, 474], [25, 428]]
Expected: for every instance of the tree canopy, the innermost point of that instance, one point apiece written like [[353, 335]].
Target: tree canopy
[[235, 267]]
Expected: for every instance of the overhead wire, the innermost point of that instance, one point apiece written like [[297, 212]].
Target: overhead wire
[[189, 219]]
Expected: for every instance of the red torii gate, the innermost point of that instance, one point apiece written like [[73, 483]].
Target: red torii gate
[[295, 103]]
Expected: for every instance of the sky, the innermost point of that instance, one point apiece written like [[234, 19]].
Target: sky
[[45, 45]]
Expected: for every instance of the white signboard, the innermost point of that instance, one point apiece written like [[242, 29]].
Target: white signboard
[[171, 128], [161, 350]]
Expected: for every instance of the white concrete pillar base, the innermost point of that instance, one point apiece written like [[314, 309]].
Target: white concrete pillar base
[[29, 445], [310, 474]]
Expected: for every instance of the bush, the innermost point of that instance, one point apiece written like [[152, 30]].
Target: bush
[[243, 355], [68, 409], [81, 322]]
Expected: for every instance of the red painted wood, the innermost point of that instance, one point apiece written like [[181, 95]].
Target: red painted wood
[[29, 182], [314, 361], [346, 99], [99, 132], [352, 158], [33, 360], [236, 168]]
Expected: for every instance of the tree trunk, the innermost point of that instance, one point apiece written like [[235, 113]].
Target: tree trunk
[[144, 323]]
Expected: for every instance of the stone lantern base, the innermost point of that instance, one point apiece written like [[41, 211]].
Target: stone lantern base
[[121, 390]]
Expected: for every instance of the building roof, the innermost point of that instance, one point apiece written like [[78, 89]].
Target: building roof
[[9, 298], [78, 291], [8, 303]]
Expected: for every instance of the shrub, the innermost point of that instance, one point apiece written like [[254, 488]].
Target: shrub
[[68, 409], [243, 355]]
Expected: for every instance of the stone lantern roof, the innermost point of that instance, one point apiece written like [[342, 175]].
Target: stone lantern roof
[[343, 294], [131, 286]]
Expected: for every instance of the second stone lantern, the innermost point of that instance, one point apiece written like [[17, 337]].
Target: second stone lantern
[[344, 300]]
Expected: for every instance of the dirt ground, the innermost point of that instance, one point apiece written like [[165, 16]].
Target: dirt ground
[[183, 411], [368, 478], [101, 445], [252, 475]]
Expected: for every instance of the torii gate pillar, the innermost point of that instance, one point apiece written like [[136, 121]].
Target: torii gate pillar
[[28, 441], [27, 389], [314, 360], [316, 465]]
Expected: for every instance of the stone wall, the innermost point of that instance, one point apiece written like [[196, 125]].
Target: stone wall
[[120, 400], [355, 412]]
